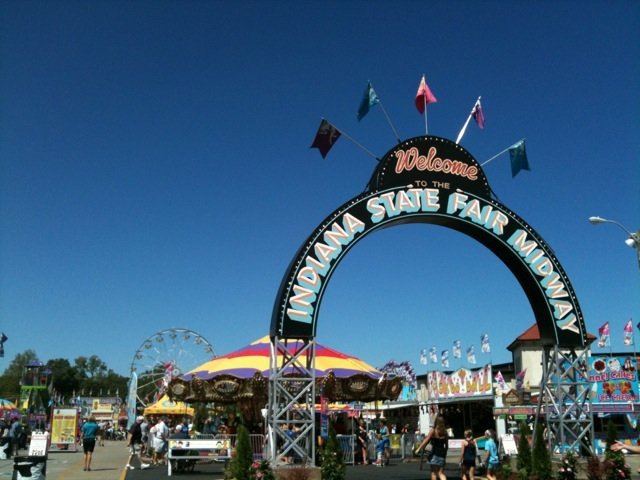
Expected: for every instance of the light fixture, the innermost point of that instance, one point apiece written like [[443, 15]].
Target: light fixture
[[632, 241]]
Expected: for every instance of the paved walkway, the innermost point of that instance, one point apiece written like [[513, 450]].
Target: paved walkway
[[109, 462]]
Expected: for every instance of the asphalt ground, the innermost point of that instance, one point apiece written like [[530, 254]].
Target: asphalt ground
[[109, 461]]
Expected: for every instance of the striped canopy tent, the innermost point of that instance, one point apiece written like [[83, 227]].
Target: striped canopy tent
[[7, 404], [165, 406], [241, 377]]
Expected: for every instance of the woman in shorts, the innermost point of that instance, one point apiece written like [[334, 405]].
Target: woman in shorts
[[89, 431], [468, 456], [439, 440]]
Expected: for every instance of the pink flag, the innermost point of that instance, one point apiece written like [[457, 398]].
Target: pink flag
[[603, 331], [424, 96], [628, 333], [478, 114]]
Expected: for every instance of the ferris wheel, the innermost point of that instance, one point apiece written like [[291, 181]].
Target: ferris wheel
[[165, 355]]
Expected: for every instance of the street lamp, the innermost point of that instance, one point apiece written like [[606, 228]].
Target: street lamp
[[634, 237]]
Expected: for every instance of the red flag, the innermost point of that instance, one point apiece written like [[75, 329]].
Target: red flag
[[424, 96]]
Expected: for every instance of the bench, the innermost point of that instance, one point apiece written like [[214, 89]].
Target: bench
[[183, 454]]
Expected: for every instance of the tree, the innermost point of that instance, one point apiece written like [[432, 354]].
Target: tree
[[540, 457], [240, 466], [91, 367], [10, 380], [332, 467], [63, 376], [524, 452]]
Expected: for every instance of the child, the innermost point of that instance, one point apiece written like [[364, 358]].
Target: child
[[380, 450]]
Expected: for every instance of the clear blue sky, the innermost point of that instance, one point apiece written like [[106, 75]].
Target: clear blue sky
[[155, 168]]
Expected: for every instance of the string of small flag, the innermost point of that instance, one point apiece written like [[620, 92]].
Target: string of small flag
[[604, 334], [431, 356], [328, 134]]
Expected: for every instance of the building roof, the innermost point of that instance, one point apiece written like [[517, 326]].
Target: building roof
[[532, 335]]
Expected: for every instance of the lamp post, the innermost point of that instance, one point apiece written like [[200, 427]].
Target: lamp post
[[634, 237]]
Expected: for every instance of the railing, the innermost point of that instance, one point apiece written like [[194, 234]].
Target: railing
[[255, 440], [348, 445]]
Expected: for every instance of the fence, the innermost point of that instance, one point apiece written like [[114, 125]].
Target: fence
[[347, 445], [255, 440]]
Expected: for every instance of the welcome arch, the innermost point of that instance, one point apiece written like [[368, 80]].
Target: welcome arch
[[429, 180]]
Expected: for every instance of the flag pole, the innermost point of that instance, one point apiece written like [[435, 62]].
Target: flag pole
[[393, 129], [498, 154], [357, 144], [426, 124], [464, 127]]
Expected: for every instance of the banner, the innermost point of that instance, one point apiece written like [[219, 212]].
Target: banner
[[614, 379], [459, 384]]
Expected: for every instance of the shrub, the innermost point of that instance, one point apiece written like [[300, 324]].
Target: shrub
[[567, 467], [540, 457], [523, 463], [240, 466], [332, 467]]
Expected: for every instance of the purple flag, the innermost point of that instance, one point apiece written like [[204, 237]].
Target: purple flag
[[326, 137]]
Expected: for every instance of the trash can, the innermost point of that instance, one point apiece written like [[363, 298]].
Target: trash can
[[29, 468]]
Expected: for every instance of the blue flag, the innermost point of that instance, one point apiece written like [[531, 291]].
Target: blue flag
[[368, 100], [518, 154]]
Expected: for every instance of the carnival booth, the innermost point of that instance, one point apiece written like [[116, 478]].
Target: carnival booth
[[165, 406]]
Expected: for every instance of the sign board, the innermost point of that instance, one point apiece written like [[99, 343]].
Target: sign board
[[463, 383], [430, 180], [64, 426], [39, 444], [509, 444], [614, 380]]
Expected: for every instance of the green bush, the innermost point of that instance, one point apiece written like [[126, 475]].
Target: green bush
[[333, 467], [540, 456], [523, 463], [240, 466]]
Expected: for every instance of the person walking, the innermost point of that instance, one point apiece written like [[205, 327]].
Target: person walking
[[15, 434], [468, 456], [440, 442], [160, 433], [363, 438], [493, 458], [135, 444], [89, 431]]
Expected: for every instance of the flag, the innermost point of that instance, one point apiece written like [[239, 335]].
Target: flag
[[457, 349], [471, 355], [520, 379], [326, 137], [424, 95], [478, 114], [433, 355], [502, 386], [423, 356], [628, 333], [3, 339], [518, 154], [369, 100], [603, 331], [445, 358], [484, 343]]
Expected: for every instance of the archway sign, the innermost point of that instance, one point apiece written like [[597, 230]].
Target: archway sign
[[430, 179], [424, 179]]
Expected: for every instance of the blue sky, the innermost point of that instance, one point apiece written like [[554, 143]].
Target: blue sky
[[155, 168]]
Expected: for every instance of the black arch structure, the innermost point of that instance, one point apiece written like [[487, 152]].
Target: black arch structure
[[428, 180]]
